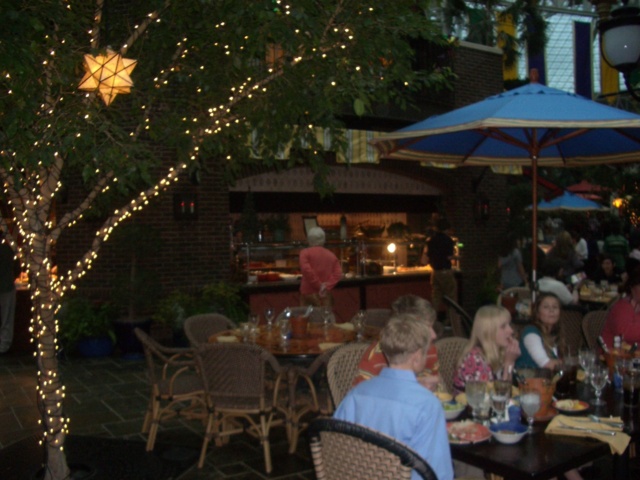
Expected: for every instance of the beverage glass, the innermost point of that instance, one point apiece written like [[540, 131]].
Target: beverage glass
[[269, 315], [326, 317], [475, 391], [499, 397], [254, 319], [283, 326], [530, 404], [599, 377], [587, 360], [358, 324]]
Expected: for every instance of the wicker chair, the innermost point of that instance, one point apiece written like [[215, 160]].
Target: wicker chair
[[377, 317], [342, 369], [198, 328], [343, 450], [571, 329], [316, 399], [592, 324], [233, 375], [449, 352], [176, 388], [460, 320]]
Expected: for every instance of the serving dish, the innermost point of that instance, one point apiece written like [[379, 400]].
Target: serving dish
[[467, 432]]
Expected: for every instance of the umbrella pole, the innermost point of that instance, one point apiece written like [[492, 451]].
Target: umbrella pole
[[534, 233]]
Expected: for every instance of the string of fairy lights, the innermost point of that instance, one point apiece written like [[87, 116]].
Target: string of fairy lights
[[31, 202]]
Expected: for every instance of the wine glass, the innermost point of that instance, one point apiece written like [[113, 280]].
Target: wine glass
[[599, 377], [326, 317], [475, 391], [358, 324], [530, 404], [284, 327], [587, 359], [269, 315], [500, 396]]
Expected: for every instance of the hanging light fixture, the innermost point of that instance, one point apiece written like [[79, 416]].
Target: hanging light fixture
[[108, 75], [620, 42]]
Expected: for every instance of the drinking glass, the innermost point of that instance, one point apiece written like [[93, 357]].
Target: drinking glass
[[475, 391], [269, 315], [254, 319], [358, 324], [599, 377], [284, 327], [499, 397], [587, 360], [530, 404], [326, 317]]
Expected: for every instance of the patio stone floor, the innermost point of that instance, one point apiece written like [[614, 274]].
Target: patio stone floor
[[107, 397]]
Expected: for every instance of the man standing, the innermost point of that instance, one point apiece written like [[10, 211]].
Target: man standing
[[395, 403], [438, 253], [7, 294]]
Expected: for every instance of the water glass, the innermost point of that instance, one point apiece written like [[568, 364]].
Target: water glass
[[284, 327], [530, 404], [599, 377], [476, 392], [500, 397], [269, 315], [358, 324], [254, 319], [326, 317]]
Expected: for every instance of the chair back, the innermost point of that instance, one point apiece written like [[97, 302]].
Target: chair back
[[342, 450], [592, 325], [377, 317], [233, 374], [460, 320], [342, 369], [449, 352], [198, 328], [571, 329]]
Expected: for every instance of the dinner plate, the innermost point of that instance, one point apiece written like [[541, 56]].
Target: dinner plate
[[467, 432], [570, 406]]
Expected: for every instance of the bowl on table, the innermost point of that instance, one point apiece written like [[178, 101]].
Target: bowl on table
[[508, 432], [452, 409]]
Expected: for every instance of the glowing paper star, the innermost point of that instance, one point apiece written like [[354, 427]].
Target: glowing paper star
[[108, 74]]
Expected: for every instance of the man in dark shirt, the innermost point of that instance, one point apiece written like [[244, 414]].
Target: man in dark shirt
[[439, 252]]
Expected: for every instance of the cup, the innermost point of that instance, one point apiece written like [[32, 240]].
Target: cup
[[631, 386], [546, 388], [299, 326], [566, 385]]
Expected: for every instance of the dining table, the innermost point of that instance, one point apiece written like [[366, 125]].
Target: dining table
[[317, 339], [542, 456]]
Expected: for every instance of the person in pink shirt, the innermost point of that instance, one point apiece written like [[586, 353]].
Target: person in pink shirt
[[321, 271], [623, 319]]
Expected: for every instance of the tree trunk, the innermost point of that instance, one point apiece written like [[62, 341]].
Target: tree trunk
[[50, 389]]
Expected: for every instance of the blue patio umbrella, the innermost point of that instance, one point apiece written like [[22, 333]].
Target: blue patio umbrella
[[572, 202], [532, 125]]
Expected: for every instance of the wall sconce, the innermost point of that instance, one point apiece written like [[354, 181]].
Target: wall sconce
[[185, 207], [482, 209], [620, 42]]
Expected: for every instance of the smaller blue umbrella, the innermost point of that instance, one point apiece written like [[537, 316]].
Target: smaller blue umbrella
[[569, 201]]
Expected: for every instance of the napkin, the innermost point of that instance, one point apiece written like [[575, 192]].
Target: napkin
[[618, 443], [345, 326], [227, 339], [327, 345]]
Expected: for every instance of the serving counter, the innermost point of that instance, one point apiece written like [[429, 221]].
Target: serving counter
[[350, 294]]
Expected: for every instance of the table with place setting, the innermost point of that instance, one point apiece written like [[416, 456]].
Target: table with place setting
[[571, 433], [598, 296]]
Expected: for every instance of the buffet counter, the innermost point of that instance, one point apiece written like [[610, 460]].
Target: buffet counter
[[350, 295]]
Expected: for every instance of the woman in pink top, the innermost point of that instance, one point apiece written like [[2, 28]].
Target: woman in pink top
[[321, 271]]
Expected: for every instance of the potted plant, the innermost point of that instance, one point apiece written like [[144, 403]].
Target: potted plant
[[170, 314], [224, 298], [279, 226], [136, 287], [86, 328]]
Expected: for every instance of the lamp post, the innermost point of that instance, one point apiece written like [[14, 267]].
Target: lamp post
[[620, 42]]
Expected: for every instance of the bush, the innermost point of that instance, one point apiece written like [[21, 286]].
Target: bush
[[79, 318]]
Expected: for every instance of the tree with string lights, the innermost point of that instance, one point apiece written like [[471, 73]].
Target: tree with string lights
[[88, 89]]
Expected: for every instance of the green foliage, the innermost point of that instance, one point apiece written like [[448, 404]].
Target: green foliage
[[175, 308], [225, 298], [79, 319], [488, 293]]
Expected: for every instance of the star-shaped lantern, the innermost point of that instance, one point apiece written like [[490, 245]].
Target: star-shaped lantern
[[108, 74]]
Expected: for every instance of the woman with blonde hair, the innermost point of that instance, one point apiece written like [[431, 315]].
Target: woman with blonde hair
[[492, 350]]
